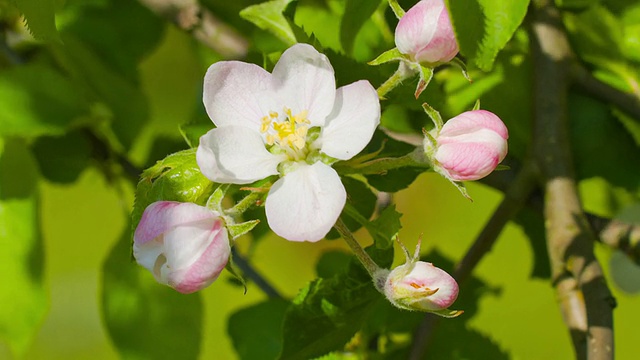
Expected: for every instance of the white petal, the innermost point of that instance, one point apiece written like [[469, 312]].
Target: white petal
[[146, 254], [355, 116], [235, 155], [184, 245], [305, 204], [304, 80], [237, 93], [208, 265]]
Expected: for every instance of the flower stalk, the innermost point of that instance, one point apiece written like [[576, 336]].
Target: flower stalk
[[364, 258], [382, 165]]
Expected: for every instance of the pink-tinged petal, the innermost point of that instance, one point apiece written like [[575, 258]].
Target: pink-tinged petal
[[421, 286], [197, 262], [470, 160], [471, 121], [417, 27], [350, 126], [304, 81], [470, 146], [443, 46], [162, 216], [238, 93], [190, 251], [426, 34], [235, 155], [305, 203]]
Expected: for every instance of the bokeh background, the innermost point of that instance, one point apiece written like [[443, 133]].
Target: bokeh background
[[83, 220]]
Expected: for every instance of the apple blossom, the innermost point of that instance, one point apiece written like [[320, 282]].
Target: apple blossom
[[419, 285], [184, 245], [425, 33], [293, 123], [469, 146]]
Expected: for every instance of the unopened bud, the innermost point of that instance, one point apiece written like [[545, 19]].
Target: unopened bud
[[184, 245], [469, 146], [425, 33]]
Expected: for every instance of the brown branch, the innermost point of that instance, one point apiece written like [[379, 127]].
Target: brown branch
[[629, 103], [618, 234], [514, 199], [582, 292], [189, 16]]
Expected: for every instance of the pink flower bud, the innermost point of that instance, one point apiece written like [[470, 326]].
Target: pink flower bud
[[425, 33], [184, 245], [470, 146], [418, 285]]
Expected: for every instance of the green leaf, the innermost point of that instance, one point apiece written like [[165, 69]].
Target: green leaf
[[256, 331], [483, 27], [601, 145], [385, 227], [268, 16], [122, 47], [62, 159], [356, 12], [22, 293], [175, 178], [325, 315], [126, 106], [37, 100], [597, 35], [39, 16], [631, 40], [332, 263], [147, 320]]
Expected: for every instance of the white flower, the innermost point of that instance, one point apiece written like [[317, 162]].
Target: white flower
[[293, 123]]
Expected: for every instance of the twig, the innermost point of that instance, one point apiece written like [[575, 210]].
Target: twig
[[582, 292], [618, 235], [253, 275], [190, 16], [629, 103], [514, 199]]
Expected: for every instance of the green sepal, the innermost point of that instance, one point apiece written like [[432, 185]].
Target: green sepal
[[215, 200], [426, 74], [501, 167], [434, 115], [234, 270], [463, 190], [448, 313], [397, 10], [476, 106], [388, 56], [237, 230], [463, 67]]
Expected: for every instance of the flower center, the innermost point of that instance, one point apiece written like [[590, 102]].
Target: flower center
[[287, 131]]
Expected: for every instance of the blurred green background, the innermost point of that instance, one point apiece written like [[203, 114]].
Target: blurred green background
[[82, 221]]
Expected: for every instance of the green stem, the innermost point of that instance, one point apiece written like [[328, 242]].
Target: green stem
[[382, 165], [366, 260], [244, 204], [402, 73]]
